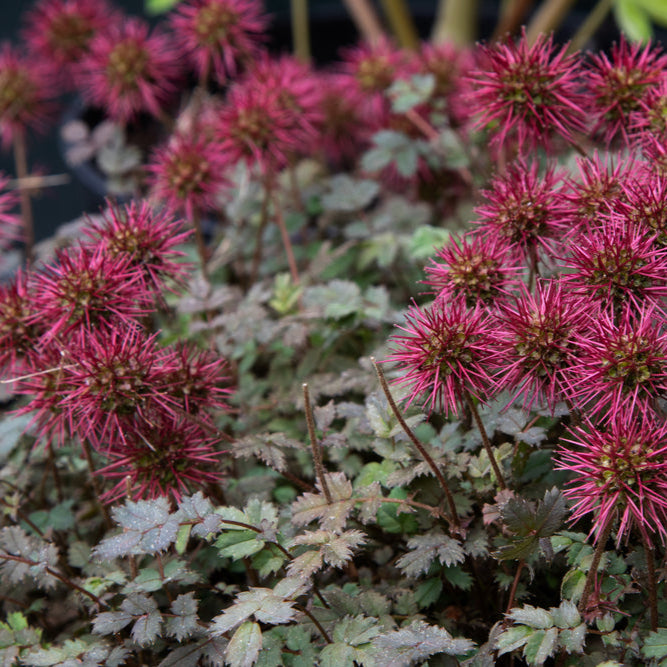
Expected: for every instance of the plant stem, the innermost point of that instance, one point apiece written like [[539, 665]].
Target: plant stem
[[93, 480], [54, 471], [597, 556], [547, 18], [485, 438], [591, 23], [317, 451], [201, 244], [455, 22], [259, 241], [365, 19], [54, 573], [37, 182], [402, 25], [652, 583], [287, 244], [300, 29], [317, 624], [511, 18], [454, 519], [515, 585], [21, 163]]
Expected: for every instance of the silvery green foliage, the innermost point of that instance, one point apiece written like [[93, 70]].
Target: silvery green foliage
[[148, 527], [27, 557], [424, 549], [405, 94], [274, 572], [417, 641], [540, 632], [395, 149], [347, 194], [75, 652]]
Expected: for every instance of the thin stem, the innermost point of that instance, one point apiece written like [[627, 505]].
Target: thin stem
[[652, 583], [317, 451], [259, 241], [485, 438], [534, 270], [280, 547], [591, 23], [402, 25], [547, 18], [597, 556], [300, 30], [284, 234], [21, 515], [456, 22], [434, 137], [21, 162], [365, 19], [317, 624], [290, 477], [433, 511], [423, 126], [93, 480], [455, 521], [131, 558], [56, 575], [201, 243], [37, 182], [515, 585], [54, 471], [511, 18], [32, 375]]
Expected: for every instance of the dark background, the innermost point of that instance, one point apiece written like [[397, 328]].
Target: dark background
[[330, 28]]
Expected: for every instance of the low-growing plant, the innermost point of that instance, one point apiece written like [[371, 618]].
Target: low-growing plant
[[371, 370]]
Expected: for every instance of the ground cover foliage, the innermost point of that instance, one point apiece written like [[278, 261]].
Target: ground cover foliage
[[370, 371]]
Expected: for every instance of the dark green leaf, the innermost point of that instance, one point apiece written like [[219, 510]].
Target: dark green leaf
[[428, 592], [540, 645], [655, 644], [245, 645]]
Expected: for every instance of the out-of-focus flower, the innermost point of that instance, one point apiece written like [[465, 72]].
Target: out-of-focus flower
[[165, 458], [272, 114], [11, 225], [59, 32], [450, 66], [129, 70], [198, 380], [26, 94], [372, 69], [19, 336], [188, 173], [345, 132], [219, 36]]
